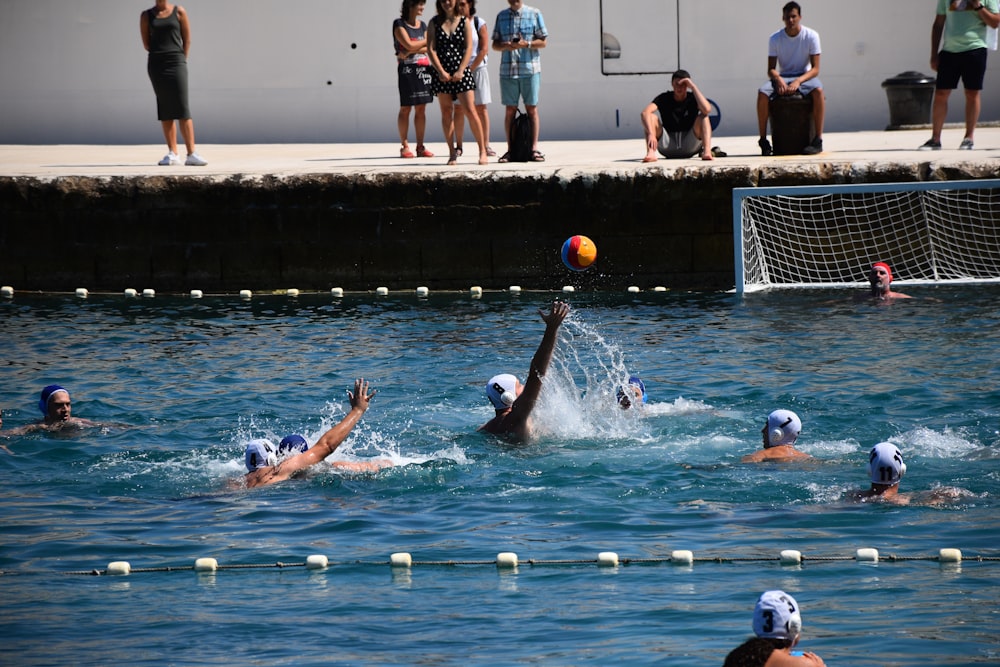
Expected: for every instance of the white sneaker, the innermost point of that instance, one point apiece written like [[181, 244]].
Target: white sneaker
[[169, 160], [194, 160]]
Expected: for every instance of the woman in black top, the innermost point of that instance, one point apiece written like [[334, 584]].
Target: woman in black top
[[166, 35], [450, 49]]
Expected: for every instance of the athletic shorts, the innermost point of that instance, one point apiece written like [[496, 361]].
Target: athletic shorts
[[806, 88], [482, 79], [512, 90], [414, 85], [679, 144], [969, 66]]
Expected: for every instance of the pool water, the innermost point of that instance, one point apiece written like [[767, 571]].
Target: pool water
[[183, 384]]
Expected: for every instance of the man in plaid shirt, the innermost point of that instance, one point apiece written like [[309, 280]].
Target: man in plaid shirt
[[518, 33]]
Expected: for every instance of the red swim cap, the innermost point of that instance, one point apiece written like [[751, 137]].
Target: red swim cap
[[884, 266]]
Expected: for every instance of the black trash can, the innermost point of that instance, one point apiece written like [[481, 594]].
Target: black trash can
[[911, 95], [791, 123]]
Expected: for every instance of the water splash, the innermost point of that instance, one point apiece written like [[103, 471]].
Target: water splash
[[579, 400]]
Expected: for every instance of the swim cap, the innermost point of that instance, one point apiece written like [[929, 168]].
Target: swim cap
[[885, 464], [776, 616], [293, 443], [783, 427], [43, 402], [502, 391], [633, 381], [884, 266], [259, 454]]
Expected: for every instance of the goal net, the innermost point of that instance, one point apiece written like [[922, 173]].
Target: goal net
[[829, 236]]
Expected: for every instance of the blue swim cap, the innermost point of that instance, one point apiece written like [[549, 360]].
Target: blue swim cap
[[292, 443], [634, 379], [634, 382], [43, 402]]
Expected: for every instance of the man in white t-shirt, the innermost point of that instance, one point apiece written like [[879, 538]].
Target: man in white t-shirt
[[792, 68]]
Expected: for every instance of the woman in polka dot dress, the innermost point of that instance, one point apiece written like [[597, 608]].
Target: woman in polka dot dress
[[449, 46]]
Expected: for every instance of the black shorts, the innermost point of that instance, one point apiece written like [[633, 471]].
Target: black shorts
[[969, 66]]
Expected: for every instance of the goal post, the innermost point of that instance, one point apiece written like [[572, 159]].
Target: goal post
[[830, 235]]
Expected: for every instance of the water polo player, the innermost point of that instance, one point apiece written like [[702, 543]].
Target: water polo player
[[513, 401]]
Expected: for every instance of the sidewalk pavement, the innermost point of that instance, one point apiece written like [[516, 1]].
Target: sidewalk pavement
[[563, 158]]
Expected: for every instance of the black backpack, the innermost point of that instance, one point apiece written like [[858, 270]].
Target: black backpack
[[521, 137]]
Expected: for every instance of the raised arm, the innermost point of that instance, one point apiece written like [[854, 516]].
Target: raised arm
[[327, 443], [360, 399], [703, 104], [525, 403]]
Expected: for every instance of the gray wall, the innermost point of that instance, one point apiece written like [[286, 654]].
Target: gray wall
[[73, 71]]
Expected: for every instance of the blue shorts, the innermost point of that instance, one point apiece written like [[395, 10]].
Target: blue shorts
[[512, 90], [806, 88], [970, 66]]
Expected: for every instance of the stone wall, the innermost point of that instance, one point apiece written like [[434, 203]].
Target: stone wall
[[670, 228]]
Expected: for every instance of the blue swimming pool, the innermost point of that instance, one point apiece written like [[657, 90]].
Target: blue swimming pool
[[186, 383]]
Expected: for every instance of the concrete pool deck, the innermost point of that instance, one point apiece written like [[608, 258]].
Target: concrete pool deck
[[872, 151]]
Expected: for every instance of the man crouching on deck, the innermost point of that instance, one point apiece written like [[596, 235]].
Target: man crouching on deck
[[512, 400], [264, 467]]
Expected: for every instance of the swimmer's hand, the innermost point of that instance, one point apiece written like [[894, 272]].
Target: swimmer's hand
[[361, 396], [556, 315]]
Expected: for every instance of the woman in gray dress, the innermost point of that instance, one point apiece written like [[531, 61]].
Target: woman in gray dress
[[166, 35]]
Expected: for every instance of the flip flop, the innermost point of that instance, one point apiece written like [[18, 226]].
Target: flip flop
[[406, 152], [536, 156], [490, 152], [504, 158]]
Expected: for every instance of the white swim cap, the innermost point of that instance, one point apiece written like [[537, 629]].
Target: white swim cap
[[885, 464], [776, 615], [502, 390], [259, 454], [783, 427]]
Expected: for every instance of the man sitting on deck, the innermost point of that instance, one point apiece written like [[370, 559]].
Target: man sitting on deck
[[676, 122]]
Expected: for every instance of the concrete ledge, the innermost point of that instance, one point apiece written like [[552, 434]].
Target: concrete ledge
[[300, 216]]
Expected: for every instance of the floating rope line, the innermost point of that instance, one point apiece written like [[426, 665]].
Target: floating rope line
[[509, 561]]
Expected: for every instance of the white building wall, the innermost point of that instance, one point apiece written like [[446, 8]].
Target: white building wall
[[73, 71]]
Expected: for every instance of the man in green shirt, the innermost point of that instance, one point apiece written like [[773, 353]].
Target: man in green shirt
[[962, 55]]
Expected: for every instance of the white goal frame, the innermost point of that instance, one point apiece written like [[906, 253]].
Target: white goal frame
[[830, 235]]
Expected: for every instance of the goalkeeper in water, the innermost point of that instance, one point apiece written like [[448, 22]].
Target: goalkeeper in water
[[880, 281]]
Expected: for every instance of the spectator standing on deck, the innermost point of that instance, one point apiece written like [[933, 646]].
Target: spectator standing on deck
[[519, 34], [413, 70], [166, 35], [482, 97], [962, 55]]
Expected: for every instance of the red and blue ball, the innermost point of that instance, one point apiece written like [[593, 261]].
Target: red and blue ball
[[579, 253]]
